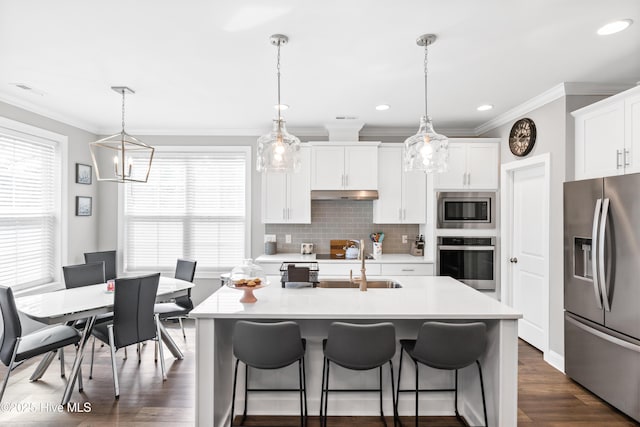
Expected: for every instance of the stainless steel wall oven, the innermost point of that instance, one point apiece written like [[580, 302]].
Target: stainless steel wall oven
[[472, 260]]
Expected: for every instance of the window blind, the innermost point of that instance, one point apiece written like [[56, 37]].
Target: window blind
[[28, 211], [193, 206]]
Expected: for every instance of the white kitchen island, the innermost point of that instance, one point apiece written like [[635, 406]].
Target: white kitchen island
[[419, 299]]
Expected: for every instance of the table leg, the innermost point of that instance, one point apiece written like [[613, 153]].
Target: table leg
[[170, 343], [43, 366], [78, 360]]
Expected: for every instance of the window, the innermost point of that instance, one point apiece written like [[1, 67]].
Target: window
[[30, 206], [195, 205]]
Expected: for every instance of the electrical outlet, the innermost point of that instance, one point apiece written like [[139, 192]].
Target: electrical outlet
[[404, 238], [269, 238], [287, 238]]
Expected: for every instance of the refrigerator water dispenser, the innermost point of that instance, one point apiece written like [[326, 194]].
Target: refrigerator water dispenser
[[582, 258]]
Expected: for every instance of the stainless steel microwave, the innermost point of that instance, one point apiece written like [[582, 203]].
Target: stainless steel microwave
[[466, 209]]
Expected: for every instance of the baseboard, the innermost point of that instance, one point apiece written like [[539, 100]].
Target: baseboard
[[554, 359]]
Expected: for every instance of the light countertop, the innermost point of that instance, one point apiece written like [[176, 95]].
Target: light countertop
[[421, 297], [383, 259]]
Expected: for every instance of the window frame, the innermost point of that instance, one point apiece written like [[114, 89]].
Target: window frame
[[13, 128], [246, 150]]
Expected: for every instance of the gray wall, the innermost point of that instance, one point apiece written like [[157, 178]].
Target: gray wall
[[555, 135]]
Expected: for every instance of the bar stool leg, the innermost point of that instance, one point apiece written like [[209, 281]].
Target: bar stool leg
[[300, 384], [304, 383], [233, 393], [326, 395], [324, 368], [384, 421], [456, 398], [393, 395], [399, 375], [417, 392], [246, 398], [484, 404]]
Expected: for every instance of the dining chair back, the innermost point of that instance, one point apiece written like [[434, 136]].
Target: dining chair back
[[79, 275], [11, 322], [109, 258], [133, 316]]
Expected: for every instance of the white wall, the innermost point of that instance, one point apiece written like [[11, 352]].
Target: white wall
[[555, 135]]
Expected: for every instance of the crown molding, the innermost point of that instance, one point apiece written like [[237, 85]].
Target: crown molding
[[53, 115], [253, 132], [556, 92]]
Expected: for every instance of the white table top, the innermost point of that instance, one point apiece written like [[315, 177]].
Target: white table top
[[421, 297], [78, 303], [383, 259]]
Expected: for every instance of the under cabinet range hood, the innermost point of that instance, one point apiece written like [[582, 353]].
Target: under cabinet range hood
[[344, 195]]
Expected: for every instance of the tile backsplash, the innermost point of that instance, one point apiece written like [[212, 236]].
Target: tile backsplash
[[342, 219]]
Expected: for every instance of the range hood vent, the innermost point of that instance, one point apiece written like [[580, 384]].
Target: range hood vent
[[344, 195]]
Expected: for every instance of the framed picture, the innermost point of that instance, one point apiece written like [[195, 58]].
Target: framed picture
[[83, 206], [83, 174]]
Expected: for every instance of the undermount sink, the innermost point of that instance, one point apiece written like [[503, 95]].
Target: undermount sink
[[374, 284]]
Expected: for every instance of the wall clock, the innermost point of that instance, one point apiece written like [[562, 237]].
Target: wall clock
[[522, 137]]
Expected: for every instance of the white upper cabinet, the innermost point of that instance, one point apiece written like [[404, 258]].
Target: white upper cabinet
[[402, 195], [472, 165], [608, 136], [343, 166], [286, 197]]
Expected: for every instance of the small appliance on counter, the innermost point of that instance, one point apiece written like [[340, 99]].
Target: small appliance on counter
[[299, 274], [306, 248], [417, 246]]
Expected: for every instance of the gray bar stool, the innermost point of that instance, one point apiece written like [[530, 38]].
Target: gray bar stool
[[448, 346], [269, 346], [358, 347]]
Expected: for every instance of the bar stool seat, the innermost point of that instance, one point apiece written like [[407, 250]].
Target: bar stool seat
[[358, 347], [447, 346], [269, 346]]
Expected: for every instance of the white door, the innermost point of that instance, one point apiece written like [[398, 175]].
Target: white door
[[529, 253], [414, 197], [482, 166], [632, 135], [274, 197], [388, 208]]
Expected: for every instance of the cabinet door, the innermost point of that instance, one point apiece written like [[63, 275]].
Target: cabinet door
[[327, 170], [299, 191], [274, 197], [482, 166], [388, 208], [454, 177], [632, 135], [361, 168], [600, 142], [414, 197]]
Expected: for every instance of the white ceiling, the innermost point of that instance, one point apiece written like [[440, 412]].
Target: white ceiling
[[207, 66]]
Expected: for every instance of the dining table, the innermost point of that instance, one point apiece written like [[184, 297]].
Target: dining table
[[87, 302]]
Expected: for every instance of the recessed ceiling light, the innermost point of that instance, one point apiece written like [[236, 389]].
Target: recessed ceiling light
[[28, 88], [485, 107], [614, 27], [382, 107], [282, 107]]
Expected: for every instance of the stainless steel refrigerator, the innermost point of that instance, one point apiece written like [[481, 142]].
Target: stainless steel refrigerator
[[602, 288]]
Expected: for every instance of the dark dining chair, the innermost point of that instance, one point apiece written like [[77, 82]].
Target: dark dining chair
[[133, 319], [109, 259], [182, 305], [79, 275], [16, 347]]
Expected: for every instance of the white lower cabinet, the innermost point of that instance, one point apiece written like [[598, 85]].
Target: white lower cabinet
[[420, 269], [373, 268]]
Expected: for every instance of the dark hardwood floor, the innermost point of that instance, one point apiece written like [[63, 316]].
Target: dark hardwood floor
[[546, 398]]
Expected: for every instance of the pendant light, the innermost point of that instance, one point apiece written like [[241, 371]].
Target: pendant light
[[427, 150], [121, 157], [278, 151]]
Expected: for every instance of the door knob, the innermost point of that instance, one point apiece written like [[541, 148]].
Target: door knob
[[513, 260]]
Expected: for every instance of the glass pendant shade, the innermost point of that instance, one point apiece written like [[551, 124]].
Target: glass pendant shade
[[278, 151], [427, 150], [121, 158]]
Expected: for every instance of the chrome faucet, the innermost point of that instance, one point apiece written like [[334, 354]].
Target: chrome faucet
[[363, 271]]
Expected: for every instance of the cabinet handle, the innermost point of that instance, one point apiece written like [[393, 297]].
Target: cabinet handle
[[400, 213], [627, 155], [284, 215], [346, 180], [404, 214], [408, 269], [618, 158]]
